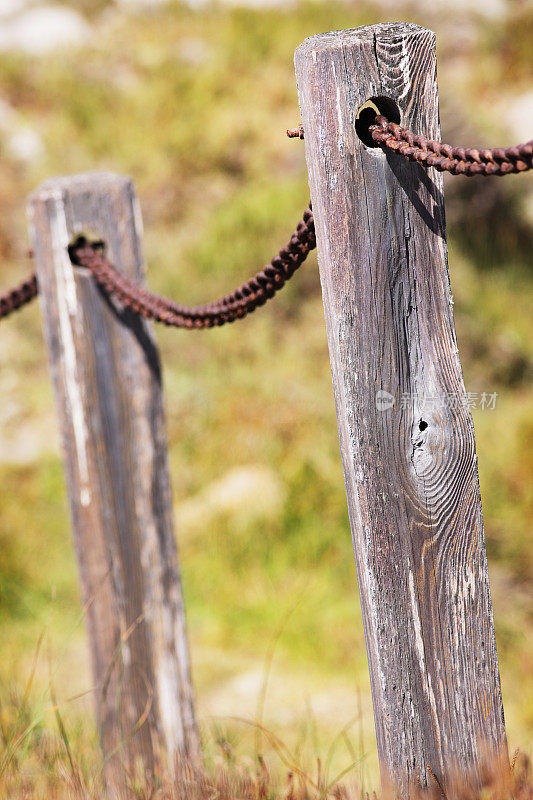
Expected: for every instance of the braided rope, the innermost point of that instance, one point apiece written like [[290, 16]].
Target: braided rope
[[257, 290], [445, 158], [235, 305], [18, 296]]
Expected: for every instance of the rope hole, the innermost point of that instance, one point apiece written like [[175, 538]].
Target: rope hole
[[85, 238], [367, 114]]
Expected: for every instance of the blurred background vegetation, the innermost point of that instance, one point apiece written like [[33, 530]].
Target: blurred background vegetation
[[192, 100]]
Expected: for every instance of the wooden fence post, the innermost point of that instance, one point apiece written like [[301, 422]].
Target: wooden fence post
[[405, 427], [107, 379]]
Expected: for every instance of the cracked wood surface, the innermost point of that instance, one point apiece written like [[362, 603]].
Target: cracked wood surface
[[107, 380], [408, 454]]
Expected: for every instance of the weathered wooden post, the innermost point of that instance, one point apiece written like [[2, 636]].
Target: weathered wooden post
[[405, 427], [107, 379]]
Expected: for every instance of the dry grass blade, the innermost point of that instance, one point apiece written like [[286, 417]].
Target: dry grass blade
[[281, 750]]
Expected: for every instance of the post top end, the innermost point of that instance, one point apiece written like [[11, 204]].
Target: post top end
[[80, 183], [382, 32]]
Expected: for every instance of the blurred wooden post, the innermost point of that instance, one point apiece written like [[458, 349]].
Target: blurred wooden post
[[107, 379], [405, 427]]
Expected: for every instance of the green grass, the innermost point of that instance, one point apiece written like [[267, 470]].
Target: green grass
[[193, 104]]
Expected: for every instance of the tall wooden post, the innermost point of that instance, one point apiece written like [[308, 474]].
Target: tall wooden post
[[405, 427], [107, 380]]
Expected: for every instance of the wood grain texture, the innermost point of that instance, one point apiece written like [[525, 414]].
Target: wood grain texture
[[107, 380], [410, 469]]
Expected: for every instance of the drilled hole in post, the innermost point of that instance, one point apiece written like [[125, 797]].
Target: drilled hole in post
[[85, 238], [367, 115], [422, 425]]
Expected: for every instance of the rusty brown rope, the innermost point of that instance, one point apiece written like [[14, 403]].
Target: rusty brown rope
[[255, 292], [242, 301], [457, 160], [19, 296], [445, 158]]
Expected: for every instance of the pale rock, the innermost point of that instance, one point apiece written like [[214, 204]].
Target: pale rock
[[9, 8], [40, 30], [252, 491], [25, 144], [193, 51], [142, 5], [519, 112], [20, 140]]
